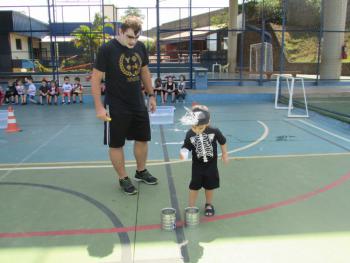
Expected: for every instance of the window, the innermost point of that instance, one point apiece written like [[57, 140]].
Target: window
[[18, 44]]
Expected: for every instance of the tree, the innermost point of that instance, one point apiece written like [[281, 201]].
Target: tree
[[91, 38], [220, 19], [132, 11]]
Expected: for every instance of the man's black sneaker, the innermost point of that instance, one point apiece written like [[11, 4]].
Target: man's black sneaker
[[127, 186], [145, 177]]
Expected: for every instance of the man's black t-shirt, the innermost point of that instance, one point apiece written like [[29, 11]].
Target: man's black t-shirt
[[122, 66], [204, 145]]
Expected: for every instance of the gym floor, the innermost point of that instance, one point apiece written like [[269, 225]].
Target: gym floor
[[283, 196]]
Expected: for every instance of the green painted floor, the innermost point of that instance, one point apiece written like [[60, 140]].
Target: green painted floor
[[314, 229]]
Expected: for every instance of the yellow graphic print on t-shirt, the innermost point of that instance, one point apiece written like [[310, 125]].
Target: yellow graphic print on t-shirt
[[130, 66]]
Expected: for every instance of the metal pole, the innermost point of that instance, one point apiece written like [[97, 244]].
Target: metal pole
[[190, 47], [242, 45], [103, 21], [320, 37], [55, 45], [52, 48], [262, 54], [31, 38], [158, 41], [284, 12]]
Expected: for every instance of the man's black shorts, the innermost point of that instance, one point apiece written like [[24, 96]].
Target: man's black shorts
[[206, 176], [133, 125]]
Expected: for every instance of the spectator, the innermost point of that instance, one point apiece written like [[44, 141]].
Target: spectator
[[77, 90], [10, 92], [66, 90], [171, 89], [158, 89], [44, 92], [181, 89], [53, 92], [2, 95], [21, 91], [31, 90]]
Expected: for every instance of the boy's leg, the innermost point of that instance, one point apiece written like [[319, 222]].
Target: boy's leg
[[209, 196], [192, 197]]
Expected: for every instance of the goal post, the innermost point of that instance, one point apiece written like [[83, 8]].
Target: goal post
[[261, 57]]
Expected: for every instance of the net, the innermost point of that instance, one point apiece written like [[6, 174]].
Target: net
[[261, 57]]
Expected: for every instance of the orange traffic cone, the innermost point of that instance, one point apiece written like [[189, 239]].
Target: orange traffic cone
[[11, 121]]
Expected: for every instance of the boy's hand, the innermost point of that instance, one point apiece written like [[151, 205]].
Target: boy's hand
[[224, 158]]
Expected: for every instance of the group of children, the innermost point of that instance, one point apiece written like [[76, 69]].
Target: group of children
[[177, 91], [18, 93]]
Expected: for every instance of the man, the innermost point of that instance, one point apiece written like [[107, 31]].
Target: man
[[124, 62]]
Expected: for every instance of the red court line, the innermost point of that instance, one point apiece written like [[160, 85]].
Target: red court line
[[287, 202]]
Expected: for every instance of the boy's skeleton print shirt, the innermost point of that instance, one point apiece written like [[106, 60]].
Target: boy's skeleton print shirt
[[204, 145]]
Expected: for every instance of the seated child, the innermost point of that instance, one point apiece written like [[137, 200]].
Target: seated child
[[66, 90], [53, 92], [44, 92], [31, 90], [10, 92], [171, 89], [21, 91], [2, 95], [181, 89], [158, 89], [77, 90]]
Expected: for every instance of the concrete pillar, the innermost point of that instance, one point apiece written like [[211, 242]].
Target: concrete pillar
[[232, 36], [334, 19]]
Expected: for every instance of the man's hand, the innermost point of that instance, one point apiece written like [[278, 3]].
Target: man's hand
[[152, 104], [102, 114]]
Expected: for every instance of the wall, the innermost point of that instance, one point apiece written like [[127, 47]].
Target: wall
[[19, 54]]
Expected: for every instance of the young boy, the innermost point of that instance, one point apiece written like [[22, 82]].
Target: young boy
[[44, 92], [31, 90], [22, 92], [66, 90], [77, 90], [53, 92], [202, 140]]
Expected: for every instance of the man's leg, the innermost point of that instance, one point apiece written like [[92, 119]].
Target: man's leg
[[140, 152], [117, 158]]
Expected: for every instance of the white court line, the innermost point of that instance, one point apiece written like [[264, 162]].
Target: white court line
[[262, 137], [162, 163], [33, 152], [325, 131]]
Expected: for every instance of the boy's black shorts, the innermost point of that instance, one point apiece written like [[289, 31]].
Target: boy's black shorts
[[206, 176], [131, 126]]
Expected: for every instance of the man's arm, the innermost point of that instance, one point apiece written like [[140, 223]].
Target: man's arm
[[96, 79], [147, 83]]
